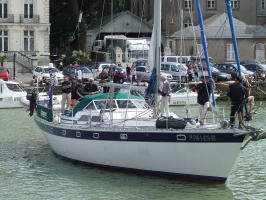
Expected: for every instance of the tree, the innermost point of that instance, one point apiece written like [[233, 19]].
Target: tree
[[66, 32], [3, 58]]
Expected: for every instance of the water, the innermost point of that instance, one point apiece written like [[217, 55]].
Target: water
[[30, 170]]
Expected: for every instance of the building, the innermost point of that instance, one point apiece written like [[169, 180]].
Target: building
[[251, 40], [25, 32], [124, 23], [172, 14]]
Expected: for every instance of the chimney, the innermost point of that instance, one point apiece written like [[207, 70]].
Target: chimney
[[171, 27]]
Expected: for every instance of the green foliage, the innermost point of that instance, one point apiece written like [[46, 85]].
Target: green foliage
[[3, 58], [81, 57]]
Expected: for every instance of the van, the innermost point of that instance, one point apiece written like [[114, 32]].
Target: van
[[176, 59], [177, 70]]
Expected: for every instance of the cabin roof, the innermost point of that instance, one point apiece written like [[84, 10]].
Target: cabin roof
[[101, 96]]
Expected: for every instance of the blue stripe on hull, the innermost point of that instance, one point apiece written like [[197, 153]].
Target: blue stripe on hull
[[110, 135]]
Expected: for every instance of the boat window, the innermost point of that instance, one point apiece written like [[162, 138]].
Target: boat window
[[104, 104], [90, 106], [15, 87], [141, 104], [125, 104]]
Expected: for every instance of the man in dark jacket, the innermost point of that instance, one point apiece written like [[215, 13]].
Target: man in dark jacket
[[204, 92], [237, 93], [91, 88]]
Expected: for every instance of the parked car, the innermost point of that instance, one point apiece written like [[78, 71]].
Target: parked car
[[177, 70], [259, 69], [47, 71], [231, 68], [217, 75], [97, 67], [4, 73], [144, 75], [245, 62], [86, 74], [118, 74]]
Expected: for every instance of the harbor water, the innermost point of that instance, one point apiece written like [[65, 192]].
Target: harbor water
[[30, 170]]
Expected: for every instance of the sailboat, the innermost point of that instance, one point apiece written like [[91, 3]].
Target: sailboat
[[186, 151]]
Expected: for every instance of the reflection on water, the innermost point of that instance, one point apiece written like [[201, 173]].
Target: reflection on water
[[30, 170]]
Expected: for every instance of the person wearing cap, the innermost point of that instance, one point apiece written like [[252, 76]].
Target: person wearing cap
[[66, 94], [165, 93], [91, 88], [79, 90], [73, 91], [204, 91], [105, 78]]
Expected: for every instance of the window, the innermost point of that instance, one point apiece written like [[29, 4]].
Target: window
[[28, 8], [211, 4], [3, 41], [187, 4], [230, 55], [200, 50], [28, 41], [3, 8], [187, 23], [234, 4], [263, 4]]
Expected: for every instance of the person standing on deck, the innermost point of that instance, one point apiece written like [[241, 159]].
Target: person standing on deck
[[66, 94], [204, 92], [165, 93]]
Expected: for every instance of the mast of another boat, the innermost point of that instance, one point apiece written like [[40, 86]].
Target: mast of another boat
[[204, 43], [111, 92], [157, 45], [231, 21]]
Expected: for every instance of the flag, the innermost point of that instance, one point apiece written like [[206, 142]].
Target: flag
[[50, 105]]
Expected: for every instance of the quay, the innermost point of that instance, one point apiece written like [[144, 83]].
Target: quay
[[258, 89]]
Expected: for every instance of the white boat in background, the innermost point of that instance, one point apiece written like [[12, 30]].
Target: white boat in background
[[43, 99], [184, 96], [10, 94]]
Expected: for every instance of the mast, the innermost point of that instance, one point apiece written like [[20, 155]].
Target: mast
[[204, 43], [157, 45], [230, 16]]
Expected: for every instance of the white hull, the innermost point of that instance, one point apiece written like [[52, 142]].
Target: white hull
[[10, 94], [197, 160], [10, 103], [43, 99]]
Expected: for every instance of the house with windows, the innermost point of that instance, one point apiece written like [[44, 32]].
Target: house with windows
[[251, 40], [25, 33], [178, 14]]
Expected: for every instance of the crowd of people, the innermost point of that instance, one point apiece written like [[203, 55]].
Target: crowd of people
[[238, 94]]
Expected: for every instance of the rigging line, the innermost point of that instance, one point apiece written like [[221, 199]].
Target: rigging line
[[142, 13]]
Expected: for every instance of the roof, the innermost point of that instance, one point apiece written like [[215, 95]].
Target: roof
[[217, 26], [107, 19], [101, 96]]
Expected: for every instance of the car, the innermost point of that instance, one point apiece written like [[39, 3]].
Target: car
[[97, 68], [259, 69], [4, 73], [231, 68], [118, 74], [177, 70], [217, 75], [245, 62], [144, 75], [47, 72], [85, 75]]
